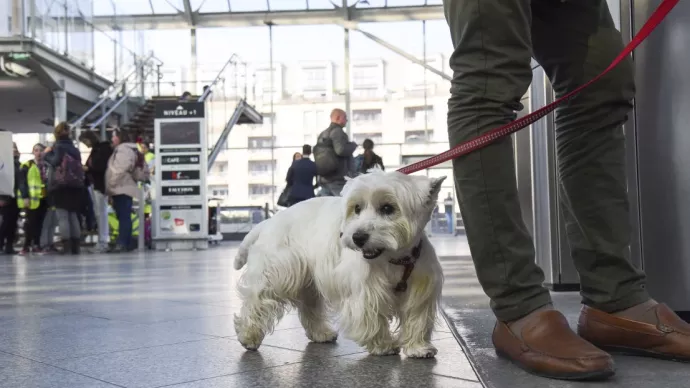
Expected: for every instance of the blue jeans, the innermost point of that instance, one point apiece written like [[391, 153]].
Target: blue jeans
[[449, 222], [122, 204], [331, 189]]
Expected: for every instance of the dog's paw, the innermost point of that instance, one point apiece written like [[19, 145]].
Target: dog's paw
[[323, 336], [421, 351], [385, 351]]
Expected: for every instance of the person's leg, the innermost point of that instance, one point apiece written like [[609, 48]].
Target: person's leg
[[48, 229], [126, 227], [102, 217], [491, 73], [64, 227], [13, 217], [618, 312], [591, 146], [123, 210], [75, 232], [38, 227], [90, 216], [335, 188], [5, 211], [29, 228]]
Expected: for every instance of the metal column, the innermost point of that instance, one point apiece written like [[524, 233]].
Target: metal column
[[661, 141], [17, 18], [193, 62], [550, 241], [60, 103], [347, 68]]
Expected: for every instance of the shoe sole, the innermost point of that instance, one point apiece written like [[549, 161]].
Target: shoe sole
[[584, 376], [623, 351]]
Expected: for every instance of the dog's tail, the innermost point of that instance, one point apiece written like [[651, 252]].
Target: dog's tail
[[249, 240]]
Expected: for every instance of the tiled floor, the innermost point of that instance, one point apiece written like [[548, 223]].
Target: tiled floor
[[165, 319], [468, 309]]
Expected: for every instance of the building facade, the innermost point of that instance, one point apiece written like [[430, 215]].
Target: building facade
[[398, 105]]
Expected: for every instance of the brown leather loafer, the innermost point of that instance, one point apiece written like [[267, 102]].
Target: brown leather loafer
[[669, 339], [550, 348]]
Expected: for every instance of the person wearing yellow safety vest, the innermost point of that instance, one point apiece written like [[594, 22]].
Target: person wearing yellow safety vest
[[31, 197], [149, 158]]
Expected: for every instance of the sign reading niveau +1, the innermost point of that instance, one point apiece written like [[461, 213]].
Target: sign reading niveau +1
[[173, 110]]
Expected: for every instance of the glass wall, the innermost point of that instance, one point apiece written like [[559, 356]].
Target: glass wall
[[299, 77], [66, 26], [294, 75]]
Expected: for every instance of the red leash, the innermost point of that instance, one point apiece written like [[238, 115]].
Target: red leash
[[482, 141]]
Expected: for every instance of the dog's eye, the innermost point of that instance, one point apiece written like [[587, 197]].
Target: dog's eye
[[387, 209], [358, 209]]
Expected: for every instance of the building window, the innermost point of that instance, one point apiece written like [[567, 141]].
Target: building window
[[315, 78], [366, 77], [366, 116], [219, 168], [256, 190], [255, 142], [263, 81], [218, 191], [417, 136], [269, 118], [359, 138], [257, 167], [419, 115]]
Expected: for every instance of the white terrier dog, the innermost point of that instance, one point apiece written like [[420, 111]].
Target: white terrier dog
[[364, 255]]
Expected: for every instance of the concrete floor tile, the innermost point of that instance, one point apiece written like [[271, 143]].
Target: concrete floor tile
[[165, 365], [332, 373], [71, 343], [450, 361], [17, 372]]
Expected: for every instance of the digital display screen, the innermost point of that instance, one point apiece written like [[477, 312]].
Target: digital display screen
[[179, 133]]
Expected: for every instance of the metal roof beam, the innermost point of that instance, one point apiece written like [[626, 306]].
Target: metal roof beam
[[188, 13], [259, 18]]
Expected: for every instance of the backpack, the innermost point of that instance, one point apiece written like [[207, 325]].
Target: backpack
[[327, 161], [69, 173]]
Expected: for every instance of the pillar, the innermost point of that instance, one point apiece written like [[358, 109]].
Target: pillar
[[193, 64]]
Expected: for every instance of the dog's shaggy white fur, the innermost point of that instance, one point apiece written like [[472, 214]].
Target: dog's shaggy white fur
[[333, 253]]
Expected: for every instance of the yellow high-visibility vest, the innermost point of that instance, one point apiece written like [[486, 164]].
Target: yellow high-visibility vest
[[36, 187]]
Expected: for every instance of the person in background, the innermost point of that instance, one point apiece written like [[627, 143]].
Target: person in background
[[300, 177], [149, 156], [126, 168], [449, 205], [296, 156], [10, 210], [186, 96], [335, 135], [95, 168], [368, 159], [66, 186], [32, 198], [50, 222]]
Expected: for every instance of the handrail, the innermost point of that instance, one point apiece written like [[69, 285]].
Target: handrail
[[234, 59], [119, 102], [116, 87]]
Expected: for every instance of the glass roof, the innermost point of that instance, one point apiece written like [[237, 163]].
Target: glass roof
[[145, 7]]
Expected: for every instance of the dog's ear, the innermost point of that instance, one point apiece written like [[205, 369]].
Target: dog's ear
[[435, 187]]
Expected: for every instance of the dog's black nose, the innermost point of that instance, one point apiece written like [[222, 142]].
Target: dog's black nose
[[360, 238]]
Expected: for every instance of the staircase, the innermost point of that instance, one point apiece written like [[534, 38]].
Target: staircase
[[142, 122]]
